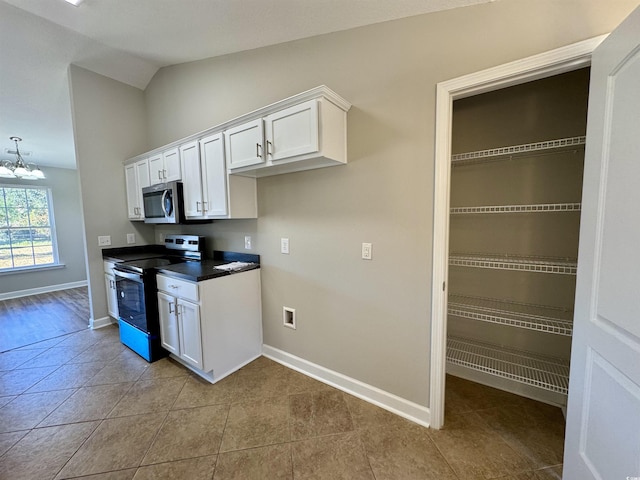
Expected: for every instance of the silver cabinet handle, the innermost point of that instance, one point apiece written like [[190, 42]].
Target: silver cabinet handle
[[269, 150], [164, 174], [198, 207], [258, 146], [204, 207], [159, 175], [171, 311]]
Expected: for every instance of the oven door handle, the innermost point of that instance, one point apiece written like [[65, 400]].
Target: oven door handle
[[136, 277]]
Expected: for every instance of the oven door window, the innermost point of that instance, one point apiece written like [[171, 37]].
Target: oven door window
[[131, 301]]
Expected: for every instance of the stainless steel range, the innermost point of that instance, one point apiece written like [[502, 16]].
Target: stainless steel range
[[136, 288]]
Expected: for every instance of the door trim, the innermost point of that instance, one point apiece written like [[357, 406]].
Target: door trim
[[554, 62]]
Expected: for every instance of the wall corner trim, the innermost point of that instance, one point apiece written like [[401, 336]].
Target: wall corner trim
[[394, 404]]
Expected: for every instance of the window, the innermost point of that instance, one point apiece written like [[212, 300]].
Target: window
[[27, 237]]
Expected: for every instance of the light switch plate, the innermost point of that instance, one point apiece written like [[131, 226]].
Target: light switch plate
[[366, 251], [284, 246], [247, 242], [131, 238]]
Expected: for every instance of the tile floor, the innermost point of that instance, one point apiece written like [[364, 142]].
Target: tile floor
[[84, 406]]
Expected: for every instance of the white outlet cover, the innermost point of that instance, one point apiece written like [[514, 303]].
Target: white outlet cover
[[104, 240], [131, 238], [247, 242]]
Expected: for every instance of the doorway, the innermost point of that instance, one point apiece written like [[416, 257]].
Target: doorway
[[542, 66]]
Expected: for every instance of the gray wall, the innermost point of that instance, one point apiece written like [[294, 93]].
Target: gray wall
[[109, 127], [366, 319], [67, 214]]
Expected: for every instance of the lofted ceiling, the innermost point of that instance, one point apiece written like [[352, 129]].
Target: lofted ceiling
[[130, 40]]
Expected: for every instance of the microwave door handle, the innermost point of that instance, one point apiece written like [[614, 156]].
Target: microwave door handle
[[164, 196]]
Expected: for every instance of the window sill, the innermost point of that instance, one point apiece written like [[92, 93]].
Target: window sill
[[35, 268]]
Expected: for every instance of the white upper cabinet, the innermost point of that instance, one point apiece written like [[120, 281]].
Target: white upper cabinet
[[214, 176], [245, 144], [165, 167], [292, 131], [303, 132], [136, 178], [191, 180], [207, 191]]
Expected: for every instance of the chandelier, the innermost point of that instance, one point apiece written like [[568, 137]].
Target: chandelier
[[19, 169]]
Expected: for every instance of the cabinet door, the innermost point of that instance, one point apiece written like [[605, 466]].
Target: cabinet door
[[169, 331], [142, 176], [156, 168], [112, 295], [191, 180], [133, 197], [171, 161], [292, 131], [214, 175], [244, 145], [190, 336]]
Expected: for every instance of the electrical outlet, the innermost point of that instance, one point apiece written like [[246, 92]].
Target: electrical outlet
[[284, 246], [366, 251], [131, 238], [104, 240], [247, 242]]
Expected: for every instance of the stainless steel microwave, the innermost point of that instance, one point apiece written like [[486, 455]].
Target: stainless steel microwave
[[163, 203]]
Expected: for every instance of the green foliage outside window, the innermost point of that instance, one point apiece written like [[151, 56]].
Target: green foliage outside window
[[26, 230]]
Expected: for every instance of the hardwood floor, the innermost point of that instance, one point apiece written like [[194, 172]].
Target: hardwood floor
[[32, 319]]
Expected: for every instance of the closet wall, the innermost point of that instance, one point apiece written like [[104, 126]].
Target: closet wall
[[514, 224]]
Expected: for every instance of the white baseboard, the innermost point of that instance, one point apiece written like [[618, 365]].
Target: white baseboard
[[400, 406], [47, 289], [95, 323]]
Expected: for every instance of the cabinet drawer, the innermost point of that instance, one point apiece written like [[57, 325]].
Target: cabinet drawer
[[178, 288]]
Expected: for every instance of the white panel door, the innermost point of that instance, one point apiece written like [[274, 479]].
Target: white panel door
[[112, 295], [603, 417], [169, 331], [214, 175], [292, 131], [191, 180], [171, 161], [156, 169], [131, 186], [190, 335], [142, 176], [244, 145]]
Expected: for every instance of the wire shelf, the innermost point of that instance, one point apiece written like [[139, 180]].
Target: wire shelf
[[559, 143], [523, 264], [543, 372], [532, 208], [521, 315]]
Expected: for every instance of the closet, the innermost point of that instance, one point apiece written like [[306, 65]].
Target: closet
[[516, 186]]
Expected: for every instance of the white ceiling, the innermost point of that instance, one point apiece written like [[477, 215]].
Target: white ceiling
[[130, 40]]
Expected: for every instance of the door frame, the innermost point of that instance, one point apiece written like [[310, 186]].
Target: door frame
[[553, 62]]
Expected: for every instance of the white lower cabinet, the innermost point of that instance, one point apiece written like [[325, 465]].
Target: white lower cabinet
[[112, 294], [180, 328], [215, 326]]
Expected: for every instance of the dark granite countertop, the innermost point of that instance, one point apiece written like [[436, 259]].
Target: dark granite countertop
[[200, 271]]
